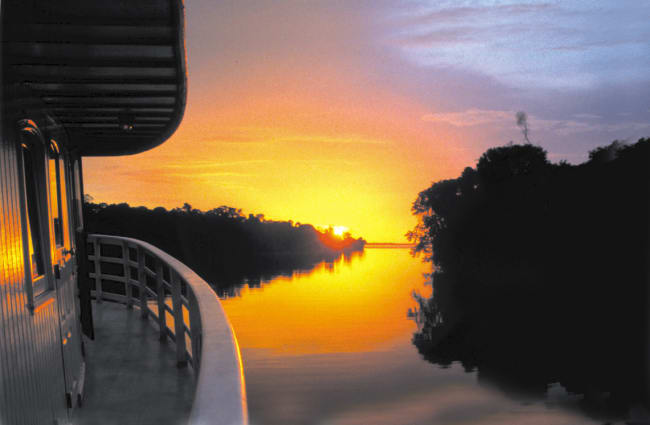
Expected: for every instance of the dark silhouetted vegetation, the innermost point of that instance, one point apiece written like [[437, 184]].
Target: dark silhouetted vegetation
[[223, 246], [541, 273]]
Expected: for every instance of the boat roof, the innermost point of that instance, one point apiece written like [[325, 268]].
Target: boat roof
[[111, 74]]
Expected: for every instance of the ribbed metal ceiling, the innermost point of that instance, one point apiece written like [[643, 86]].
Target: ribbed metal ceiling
[[112, 73]]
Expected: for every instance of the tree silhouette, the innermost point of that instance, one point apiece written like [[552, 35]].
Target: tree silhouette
[[222, 245], [542, 273]]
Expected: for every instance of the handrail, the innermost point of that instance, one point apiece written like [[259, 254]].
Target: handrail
[[213, 352]]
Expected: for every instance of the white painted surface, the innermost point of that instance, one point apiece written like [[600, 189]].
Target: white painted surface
[[221, 392]]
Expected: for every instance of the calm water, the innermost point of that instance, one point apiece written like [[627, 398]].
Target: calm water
[[333, 346]]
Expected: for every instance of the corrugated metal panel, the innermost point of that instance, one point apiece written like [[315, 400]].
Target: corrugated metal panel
[[32, 381], [101, 68], [81, 70]]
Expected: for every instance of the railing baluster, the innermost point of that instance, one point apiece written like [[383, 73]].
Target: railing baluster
[[160, 289], [142, 282], [195, 330], [203, 310], [98, 270], [128, 290], [179, 332]]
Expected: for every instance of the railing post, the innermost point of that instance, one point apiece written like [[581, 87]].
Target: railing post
[[160, 291], [126, 265], [142, 283], [98, 270], [179, 326], [195, 330]]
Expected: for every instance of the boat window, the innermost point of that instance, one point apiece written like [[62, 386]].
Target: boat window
[[56, 207], [36, 261], [77, 206]]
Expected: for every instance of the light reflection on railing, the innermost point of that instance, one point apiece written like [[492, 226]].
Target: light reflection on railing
[[135, 273]]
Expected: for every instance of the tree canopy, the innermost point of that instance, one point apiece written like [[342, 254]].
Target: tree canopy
[[541, 272], [222, 245]]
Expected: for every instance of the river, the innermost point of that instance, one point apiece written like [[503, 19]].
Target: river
[[333, 346]]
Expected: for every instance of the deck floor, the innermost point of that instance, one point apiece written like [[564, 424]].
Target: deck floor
[[131, 377]]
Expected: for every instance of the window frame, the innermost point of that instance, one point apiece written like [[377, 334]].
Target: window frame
[[74, 173], [34, 212], [55, 159]]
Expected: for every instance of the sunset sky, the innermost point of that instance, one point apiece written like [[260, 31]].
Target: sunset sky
[[339, 112]]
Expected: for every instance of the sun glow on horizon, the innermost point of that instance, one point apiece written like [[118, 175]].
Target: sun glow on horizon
[[283, 119], [340, 230]]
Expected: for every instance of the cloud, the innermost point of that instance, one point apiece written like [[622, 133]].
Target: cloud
[[247, 143], [440, 37], [587, 116], [325, 161], [208, 175], [198, 164], [453, 13], [471, 117], [583, 123], [351, 139], [529, 43], [264, 137]]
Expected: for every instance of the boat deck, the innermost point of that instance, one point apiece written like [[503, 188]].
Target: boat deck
[[131, 377]]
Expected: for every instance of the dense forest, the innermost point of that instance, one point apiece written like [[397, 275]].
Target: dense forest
[[222, 245], [541, 273]]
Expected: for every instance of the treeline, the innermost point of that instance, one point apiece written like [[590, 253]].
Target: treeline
[[541, 273], [222, 245]]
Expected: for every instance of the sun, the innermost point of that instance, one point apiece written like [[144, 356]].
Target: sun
[[340, 230]]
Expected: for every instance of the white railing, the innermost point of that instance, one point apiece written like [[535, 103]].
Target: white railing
[[192, 317]]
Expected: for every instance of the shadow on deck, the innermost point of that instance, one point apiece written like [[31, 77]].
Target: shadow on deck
[[131, 377]]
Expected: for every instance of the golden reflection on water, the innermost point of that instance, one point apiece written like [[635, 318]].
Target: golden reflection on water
[[333, 347], [344, 307]]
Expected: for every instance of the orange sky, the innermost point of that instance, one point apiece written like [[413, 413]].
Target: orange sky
[[317, 112], [305, 159]]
